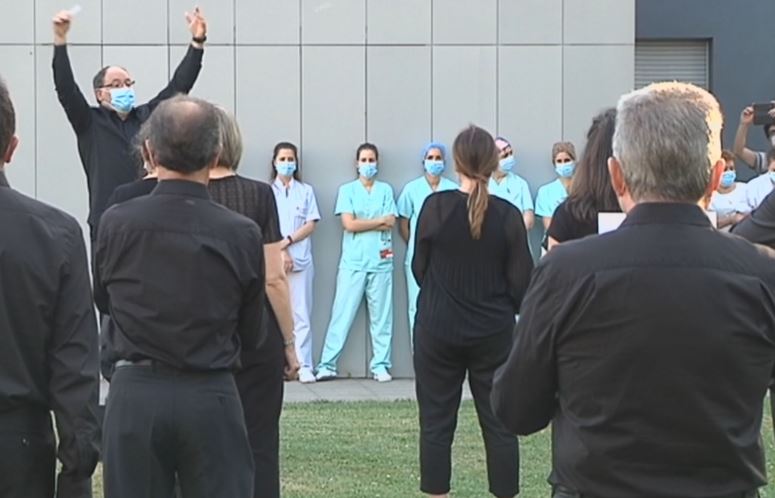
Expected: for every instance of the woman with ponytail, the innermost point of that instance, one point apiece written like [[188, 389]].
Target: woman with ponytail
[[473, 266]]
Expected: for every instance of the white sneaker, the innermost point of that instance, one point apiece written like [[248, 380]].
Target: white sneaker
[[325, 374], [306, 376], [383, 377]]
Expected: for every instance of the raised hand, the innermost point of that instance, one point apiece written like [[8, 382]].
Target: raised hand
[[746, 117], [62, 22], [197, 23]]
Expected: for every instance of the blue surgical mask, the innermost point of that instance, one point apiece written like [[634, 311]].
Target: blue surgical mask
[[728, 178], [507, 164], [565, 170], [122, 99], [772, 176], [367, 170], [433, 167], [285, 168]]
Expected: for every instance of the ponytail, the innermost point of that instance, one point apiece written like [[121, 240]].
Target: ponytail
[[478, 200]]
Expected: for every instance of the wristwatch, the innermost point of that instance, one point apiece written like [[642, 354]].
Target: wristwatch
[[290, 239], [199, 40]]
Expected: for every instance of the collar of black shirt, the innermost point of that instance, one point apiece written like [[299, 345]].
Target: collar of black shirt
[[3, 179], [673, 213], [181, 187]]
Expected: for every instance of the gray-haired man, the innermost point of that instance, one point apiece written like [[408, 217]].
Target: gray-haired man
[[650, 348]]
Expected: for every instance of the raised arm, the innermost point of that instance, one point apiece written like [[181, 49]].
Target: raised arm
[[188, 70], [747, 155], [70, 96], [73, 375]]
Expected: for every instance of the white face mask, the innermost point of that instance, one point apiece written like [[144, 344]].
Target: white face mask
[[772, 139]]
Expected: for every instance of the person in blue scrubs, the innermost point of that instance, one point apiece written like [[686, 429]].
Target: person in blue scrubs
[[552, 194], [298, 211], [368, 214], [409, 204], [509, 186]]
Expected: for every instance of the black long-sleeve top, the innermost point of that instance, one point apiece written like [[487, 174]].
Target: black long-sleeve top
[[759, 227], [48, 332], [650, 349], [105, 141], [182, 279], [469, 288]]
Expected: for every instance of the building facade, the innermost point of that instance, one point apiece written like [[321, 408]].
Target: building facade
[[328, 75]]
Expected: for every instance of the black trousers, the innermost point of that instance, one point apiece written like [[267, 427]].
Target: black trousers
[[440, 369], [160, 422], [261, 385], [562, 492], [27, 455]]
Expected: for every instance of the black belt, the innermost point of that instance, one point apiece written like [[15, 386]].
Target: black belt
[[160, 366], [567, 493]]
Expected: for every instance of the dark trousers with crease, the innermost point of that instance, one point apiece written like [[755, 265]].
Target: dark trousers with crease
[[440, 370], [159, 423], [27, 454], [260, 383]]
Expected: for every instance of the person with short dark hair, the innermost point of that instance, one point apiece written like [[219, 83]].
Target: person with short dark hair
[[183, 283], [591, 192], [48, 332], [105, 133], [650, 348], [473, 265]]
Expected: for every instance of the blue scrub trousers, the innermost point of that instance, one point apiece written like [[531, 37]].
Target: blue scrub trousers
[[350, 288]]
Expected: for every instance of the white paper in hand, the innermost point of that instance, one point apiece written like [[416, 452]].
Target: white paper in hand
[[75, 10]]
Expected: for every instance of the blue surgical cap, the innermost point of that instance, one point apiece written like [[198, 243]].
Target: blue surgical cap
[[435, 145]]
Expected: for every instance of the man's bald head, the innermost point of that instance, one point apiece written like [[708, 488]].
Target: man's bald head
[[184, 134]]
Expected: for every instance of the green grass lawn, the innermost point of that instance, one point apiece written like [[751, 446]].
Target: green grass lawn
[[356, 450]]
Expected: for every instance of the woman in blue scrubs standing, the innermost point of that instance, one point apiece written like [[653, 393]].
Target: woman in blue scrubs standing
[[409, 203], [368, 214]]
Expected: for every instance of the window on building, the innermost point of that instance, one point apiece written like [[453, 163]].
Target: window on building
[[672, 60]]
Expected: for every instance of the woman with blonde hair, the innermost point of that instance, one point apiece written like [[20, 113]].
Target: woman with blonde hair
[[473, 266]]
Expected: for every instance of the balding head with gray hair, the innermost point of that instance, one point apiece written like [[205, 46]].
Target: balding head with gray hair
[[668, 141]]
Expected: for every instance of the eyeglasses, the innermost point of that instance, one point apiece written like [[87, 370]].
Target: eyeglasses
[[120, 84]]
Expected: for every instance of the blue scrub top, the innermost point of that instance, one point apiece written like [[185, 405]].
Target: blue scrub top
[[410, 203], [513, 188], [549, 197], [366, 251]]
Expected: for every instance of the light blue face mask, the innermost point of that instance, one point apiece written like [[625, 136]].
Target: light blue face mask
[[507, 164], [285, 168], [433, 167], [728, 178], [565, 170], [122, 99], [772, 176], [367, 170]]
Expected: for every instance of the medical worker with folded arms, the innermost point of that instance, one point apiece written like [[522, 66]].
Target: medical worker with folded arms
[[368, 213]]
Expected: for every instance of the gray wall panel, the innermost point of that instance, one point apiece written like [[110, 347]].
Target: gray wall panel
[[269, 109], [530, 21], [333, 124], [464, 21], [138, 21], [607, 21], [399, 123], [462, 97], [17, 21], [216, 81], [21, 86], [585, 93], [267, 21], [333, 22], [399, 21], [87, 25]]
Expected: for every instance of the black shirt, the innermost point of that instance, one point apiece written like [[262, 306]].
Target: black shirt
[[650, 349], [256, 201], [181, 277], [469, 288], [565, 226], [759, 227], [105, 141], [137, 188], [48, 332]]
